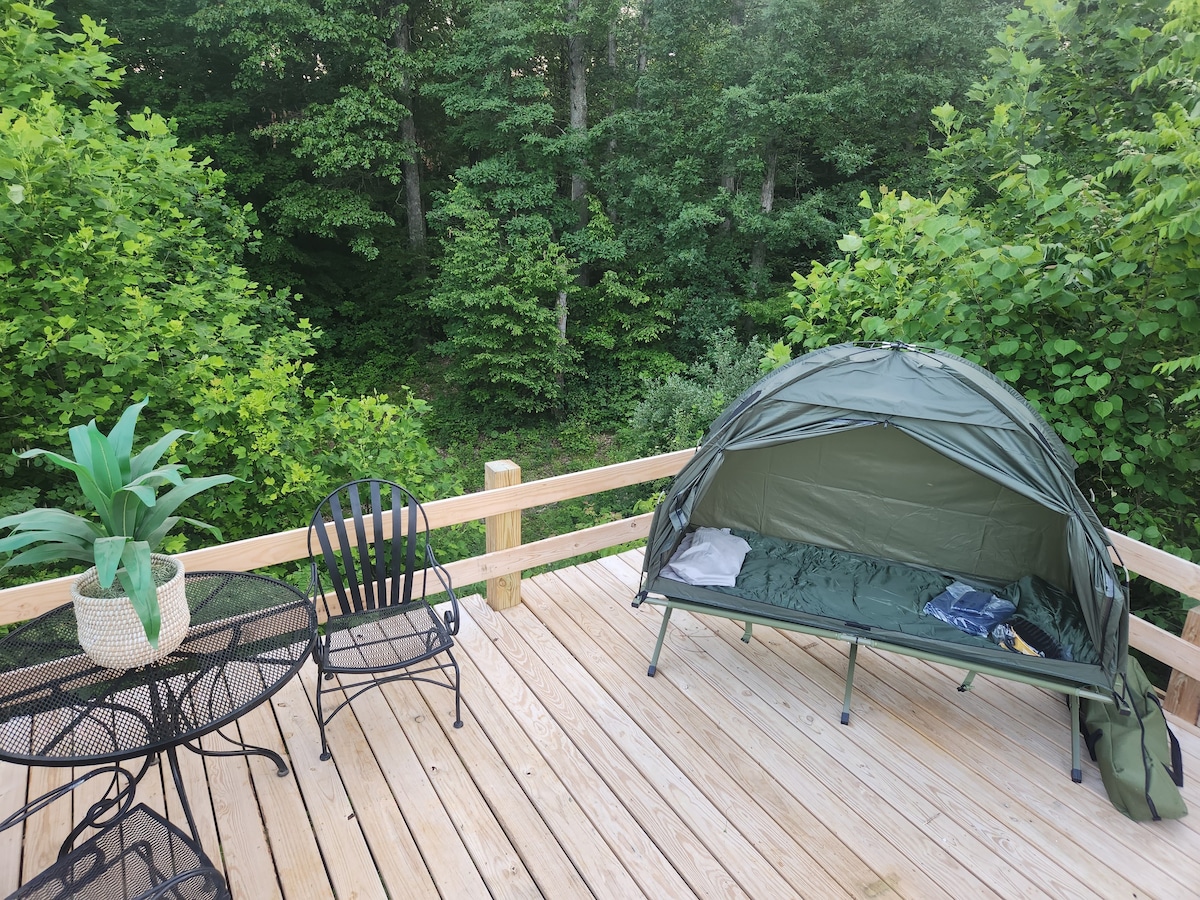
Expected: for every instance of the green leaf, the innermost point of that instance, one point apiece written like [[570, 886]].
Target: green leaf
[[950, 242], [1004, 269], [86, 482], [851, 243], [52, 520], [149, 457], [137, 578], [149, 528], [121, 437], [1103, 409], [108, 552], [52, 551], [105, 468], [127, 507], [1099, 382]]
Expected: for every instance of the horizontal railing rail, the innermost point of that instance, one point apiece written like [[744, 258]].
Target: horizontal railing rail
[[1182, 655]]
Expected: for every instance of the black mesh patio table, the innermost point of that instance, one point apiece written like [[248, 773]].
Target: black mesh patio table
[[248, 635]]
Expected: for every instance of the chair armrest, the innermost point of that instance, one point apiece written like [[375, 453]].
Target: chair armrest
[[451, 615], [121, 800]]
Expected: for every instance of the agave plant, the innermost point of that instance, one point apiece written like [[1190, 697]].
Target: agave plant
[[133, 519]]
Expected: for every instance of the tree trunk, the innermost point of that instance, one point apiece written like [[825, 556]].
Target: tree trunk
[[577, 78], [612, 109], [729, 183], [561, 306], [737, 19], [415, 214], [644, 26], [758, 256]]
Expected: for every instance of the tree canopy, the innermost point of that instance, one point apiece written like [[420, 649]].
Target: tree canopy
[[724, 142], [122, 279], [1062, 252]]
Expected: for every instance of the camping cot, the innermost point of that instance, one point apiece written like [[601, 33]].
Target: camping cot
[[867, 480]]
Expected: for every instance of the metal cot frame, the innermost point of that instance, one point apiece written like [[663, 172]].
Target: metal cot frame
[[1073, 691]]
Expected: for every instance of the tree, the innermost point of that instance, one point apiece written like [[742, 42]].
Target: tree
[[121, 280], [353, 121], [1061, 255], [498, 290], [757, 123]]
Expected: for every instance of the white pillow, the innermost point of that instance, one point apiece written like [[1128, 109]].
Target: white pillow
[[708, 556]]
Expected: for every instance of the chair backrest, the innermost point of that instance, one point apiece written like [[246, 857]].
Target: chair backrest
[[370, 540]]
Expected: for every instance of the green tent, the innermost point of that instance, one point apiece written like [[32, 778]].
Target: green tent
[[909, 468]]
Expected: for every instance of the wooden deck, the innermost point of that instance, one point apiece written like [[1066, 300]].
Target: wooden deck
[[727, 775]]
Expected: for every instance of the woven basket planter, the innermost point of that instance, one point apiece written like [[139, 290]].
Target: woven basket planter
[[110, 632]]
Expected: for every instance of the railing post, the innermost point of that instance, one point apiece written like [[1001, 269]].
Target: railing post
[[1183, 693], [503, 532]]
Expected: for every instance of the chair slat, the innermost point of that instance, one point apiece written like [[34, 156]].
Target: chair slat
[[334, 570], [410, 561], [398, 502], [371, 598]]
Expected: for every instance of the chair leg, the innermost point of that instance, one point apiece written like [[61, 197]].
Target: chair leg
[[457, 692], [325, 754]]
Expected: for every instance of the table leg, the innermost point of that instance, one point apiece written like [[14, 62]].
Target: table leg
[[177, 777], [246, 750]]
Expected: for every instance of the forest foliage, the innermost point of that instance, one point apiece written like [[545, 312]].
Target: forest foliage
[[1061, 253], [121, 258], [272, 215], [633, 177]]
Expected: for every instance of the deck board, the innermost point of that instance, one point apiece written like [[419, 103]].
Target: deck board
[[725, 775]]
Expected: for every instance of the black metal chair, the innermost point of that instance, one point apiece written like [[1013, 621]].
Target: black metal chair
[[368, 545], [135, 855]]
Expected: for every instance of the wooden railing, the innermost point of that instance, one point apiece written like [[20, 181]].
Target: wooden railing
[[506, 557]]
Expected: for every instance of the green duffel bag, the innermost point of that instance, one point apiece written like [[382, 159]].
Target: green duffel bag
[[1139, 757]]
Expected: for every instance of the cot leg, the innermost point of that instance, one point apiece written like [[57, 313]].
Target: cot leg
[[747, 633], [849, 684], [966, 685], [662, 633], [1076, 767]]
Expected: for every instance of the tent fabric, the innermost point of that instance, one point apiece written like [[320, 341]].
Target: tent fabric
[[908, 454]]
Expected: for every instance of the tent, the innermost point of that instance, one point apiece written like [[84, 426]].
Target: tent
[[917, 462]]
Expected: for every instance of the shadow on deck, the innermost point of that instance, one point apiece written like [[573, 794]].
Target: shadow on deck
[[726, 775]]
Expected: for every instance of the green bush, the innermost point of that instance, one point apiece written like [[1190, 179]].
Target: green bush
[[677, 410], [120, 278], [1061, 256]]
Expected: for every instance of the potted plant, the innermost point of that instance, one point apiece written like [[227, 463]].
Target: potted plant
[[130, 606]]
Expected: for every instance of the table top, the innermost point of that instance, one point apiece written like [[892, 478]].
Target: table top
[[248, 635]]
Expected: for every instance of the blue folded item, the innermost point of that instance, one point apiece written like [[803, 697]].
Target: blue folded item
[[968, 609]]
